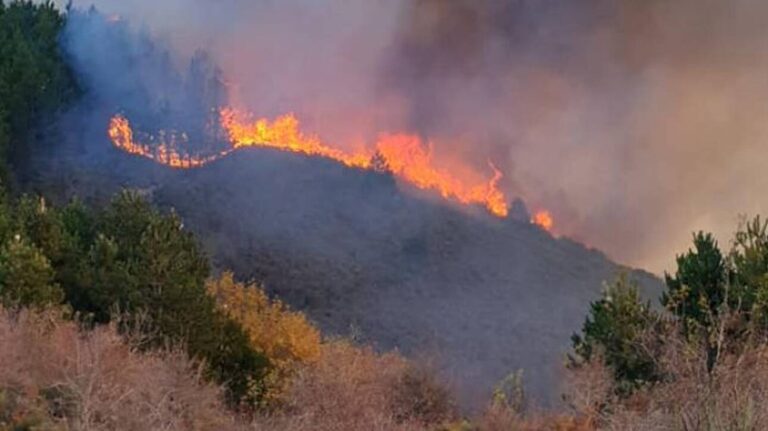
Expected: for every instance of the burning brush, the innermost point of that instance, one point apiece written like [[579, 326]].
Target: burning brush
[[404, 155]]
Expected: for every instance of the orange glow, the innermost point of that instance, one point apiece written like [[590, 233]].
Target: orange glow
[[282, 134], [404, 155], [544, 220], [121, 134]]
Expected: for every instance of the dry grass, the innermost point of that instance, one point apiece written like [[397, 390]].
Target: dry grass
[[55, 376]]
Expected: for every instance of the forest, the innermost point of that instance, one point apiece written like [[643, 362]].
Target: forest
[[113, 317]]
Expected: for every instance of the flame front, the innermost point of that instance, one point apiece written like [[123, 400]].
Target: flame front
[[544, 220], [282, 134], [404, 155], [165, 153], [409, 159]]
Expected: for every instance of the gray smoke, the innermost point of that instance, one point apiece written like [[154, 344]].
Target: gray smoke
[[634, 122]]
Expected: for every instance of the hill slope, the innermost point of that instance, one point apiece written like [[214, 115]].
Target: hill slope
[[402, 269]]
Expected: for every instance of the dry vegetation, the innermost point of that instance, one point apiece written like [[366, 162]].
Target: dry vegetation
[[733, 396], [353, 388], [285, 337], [55, 376]]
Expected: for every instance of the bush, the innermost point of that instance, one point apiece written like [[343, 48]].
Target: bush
[[732, 396], [54, 376], [144, 261], [284, 337], [354, 388]]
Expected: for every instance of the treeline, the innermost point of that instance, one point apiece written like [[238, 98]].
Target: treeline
[[34, 79]]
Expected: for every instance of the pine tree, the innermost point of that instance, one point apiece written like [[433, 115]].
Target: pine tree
[[698, 292], [26, 276], [616, 328]]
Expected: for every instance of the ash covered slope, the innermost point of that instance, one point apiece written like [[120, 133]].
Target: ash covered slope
[[485, 296]]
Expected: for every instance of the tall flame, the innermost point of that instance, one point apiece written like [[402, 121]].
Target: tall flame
[[404, 155]]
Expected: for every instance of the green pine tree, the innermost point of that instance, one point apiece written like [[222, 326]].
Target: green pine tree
[[26, 276], [617, 328]]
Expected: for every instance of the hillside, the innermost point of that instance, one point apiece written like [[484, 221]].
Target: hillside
[[480, 296]]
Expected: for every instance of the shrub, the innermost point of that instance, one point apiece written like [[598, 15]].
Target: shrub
[[285, 337], [354, 388], [732, 396], [53, 375], [419, 396]]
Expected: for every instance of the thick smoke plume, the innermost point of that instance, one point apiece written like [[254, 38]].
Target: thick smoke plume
[[634, 122]]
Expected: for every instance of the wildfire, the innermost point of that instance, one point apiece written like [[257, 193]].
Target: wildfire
[[404, 155], [282, 134], [165, 153], [544, 220]]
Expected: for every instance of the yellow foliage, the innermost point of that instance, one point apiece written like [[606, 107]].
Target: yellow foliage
[[284, 336]]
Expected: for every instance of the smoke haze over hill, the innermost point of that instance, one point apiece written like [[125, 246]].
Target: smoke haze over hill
[[633, 122]]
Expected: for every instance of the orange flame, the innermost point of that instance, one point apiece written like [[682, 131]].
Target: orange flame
[[544, 220], [121, 134], [283, 134], [405, 156]]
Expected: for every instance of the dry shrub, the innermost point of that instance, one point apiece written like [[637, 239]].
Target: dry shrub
[[56, 376], [419, 396], [589, 389], [733, 396], [354, 388]]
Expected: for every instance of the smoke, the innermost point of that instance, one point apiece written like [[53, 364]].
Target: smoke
[[635, 123]]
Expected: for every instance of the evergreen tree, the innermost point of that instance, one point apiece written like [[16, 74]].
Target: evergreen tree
[[749, 256], [698, 292], [617, 328], [26, 276], [144, 261], [34, 79]]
